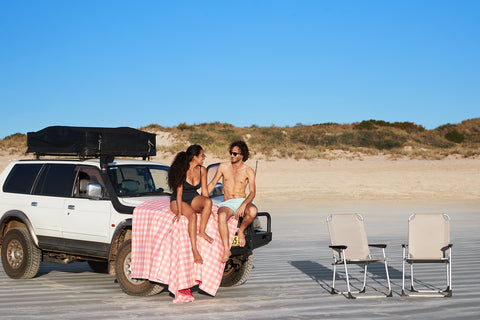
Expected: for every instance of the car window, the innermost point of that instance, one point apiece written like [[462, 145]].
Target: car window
[[21, 178], [137, 180], [56, 180], [84, 176]]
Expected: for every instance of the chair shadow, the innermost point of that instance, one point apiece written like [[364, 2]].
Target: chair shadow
[[319, 273], [323, 275]]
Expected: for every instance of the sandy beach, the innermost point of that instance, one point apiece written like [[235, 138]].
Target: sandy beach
[[292, 274]]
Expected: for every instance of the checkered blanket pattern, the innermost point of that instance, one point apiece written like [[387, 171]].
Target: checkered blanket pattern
[[161, 250]]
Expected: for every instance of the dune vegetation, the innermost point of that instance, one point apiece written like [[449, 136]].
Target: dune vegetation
[[332, 140], [326, 140]]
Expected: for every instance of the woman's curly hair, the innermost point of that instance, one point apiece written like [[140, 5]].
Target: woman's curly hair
[[179, 167]]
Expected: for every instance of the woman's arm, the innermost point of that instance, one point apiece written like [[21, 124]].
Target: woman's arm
[[179, 203], [203, 174]]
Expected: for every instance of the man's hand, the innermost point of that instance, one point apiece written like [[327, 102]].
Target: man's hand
[[240, 211]]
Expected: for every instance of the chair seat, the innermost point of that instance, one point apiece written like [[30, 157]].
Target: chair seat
[[361, 261], [420, 260]]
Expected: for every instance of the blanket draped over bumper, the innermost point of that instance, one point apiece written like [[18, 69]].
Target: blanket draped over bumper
[[162, 252]]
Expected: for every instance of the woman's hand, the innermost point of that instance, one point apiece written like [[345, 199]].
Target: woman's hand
[[177, 217]]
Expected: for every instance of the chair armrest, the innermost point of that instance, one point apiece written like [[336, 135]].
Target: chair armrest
[[450, 245], [378, 245], [338, 248]]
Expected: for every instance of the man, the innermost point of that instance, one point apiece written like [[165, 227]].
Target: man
[[236, 177]]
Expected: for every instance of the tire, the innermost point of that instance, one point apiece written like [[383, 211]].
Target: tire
[[131, 286], [99, 266], [20, 257], [236, 271]]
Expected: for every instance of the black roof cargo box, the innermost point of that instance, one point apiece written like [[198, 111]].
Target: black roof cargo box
[[90, 142]]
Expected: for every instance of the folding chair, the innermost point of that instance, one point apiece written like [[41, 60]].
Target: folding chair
[[350, 246], [428, 242]]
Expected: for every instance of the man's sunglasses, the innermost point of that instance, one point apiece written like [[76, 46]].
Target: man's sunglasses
[[234, 153]]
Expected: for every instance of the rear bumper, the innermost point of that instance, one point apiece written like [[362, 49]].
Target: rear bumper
[[255, 238]]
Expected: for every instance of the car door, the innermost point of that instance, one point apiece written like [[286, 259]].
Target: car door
[[54, 184], [86, 221]]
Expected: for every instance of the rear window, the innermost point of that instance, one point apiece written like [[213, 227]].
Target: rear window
[[21, 178], [56, 180]]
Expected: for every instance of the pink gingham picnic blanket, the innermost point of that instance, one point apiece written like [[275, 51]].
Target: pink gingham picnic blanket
[[161, 250]]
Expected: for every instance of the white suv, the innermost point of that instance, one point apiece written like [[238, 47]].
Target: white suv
[[81, 209], [61, 210]]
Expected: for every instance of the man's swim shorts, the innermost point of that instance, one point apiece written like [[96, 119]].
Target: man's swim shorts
[[233, 204]]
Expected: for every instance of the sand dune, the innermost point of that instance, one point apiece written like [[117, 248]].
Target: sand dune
[[371, 178]]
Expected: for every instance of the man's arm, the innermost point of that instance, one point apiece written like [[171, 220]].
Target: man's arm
[[251, 195], [215, 179]]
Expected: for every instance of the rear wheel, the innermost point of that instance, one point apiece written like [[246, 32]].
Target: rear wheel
[[237, 271], [20, 257], [133, 287]]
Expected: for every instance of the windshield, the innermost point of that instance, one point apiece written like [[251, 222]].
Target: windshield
[[139, 180]]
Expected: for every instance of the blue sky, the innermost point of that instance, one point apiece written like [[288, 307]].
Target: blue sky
[[263, 62]]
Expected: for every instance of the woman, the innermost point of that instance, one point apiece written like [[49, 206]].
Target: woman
[[185, 176]]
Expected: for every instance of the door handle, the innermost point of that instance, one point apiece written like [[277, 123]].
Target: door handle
[[71, 207]]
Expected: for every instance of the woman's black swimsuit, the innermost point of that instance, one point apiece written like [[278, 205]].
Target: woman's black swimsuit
[[189, 193]]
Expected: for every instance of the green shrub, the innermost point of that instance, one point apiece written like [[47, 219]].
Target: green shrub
[[455, 136]]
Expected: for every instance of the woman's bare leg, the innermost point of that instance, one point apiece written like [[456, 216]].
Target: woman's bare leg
[[191, 216], [204, 205]]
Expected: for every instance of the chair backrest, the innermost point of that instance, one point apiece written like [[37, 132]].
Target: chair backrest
[[349, 230], [427, 234]]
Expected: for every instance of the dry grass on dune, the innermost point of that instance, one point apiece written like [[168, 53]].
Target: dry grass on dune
[[331, 140], [319, 141]]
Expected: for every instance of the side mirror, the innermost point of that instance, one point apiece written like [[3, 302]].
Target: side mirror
[[94, 191]]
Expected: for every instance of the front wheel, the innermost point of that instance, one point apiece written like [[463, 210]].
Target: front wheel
[[20, 257], [133, 287], [237, 271]]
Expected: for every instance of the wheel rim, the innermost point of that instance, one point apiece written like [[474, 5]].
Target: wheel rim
[[14, 254], [127, 271]]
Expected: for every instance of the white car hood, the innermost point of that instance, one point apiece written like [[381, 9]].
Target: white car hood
[[135, 201]]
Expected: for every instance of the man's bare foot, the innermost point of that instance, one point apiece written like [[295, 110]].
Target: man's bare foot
[[197, 258], [241, 239], [226, 255], [206, 237]]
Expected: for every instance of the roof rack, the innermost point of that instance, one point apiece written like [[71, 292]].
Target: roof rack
[[91, 142]]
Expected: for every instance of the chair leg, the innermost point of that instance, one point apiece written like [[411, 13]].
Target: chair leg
[[403, 275], [389, 294], [333, 291], [412, 288], [448, 290], [350, 296], [364, 279]]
